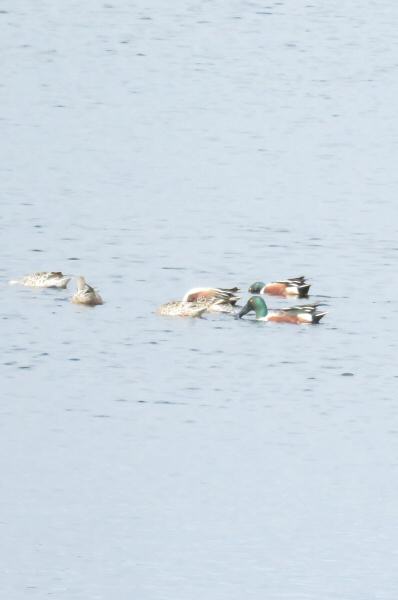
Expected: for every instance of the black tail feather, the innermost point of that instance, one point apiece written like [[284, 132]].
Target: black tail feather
[[303, 290], [317, 317]]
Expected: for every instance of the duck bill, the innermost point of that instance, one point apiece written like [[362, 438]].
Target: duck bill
[[244, 311]]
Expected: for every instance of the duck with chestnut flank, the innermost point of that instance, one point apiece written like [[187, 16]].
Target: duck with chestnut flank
[[307, 313], [222, 299], [197, 301], [294, 286]]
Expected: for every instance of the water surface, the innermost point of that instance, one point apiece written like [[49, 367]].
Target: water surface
[[152, 148]]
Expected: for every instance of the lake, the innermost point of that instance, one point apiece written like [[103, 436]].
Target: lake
[[153, 147]]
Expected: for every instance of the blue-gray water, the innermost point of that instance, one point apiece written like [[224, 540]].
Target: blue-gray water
[[153, 147]]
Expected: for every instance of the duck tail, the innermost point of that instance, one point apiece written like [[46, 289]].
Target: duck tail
[[303, 290], [232, 290], [228, 295], [318, 316], [64, 282]]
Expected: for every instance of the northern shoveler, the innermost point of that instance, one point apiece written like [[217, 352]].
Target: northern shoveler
[[221, 299], [226, 294], [307, 313], [44, 279], [295, 286], [86, 294], [178, 308], [200, 300]]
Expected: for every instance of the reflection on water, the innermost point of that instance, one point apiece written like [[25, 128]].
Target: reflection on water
[[153, 148]]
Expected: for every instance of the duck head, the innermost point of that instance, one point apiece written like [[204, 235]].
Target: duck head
[[256, 304], [256, 287]]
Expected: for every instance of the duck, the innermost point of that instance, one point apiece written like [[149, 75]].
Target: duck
[[199, 300], [179, 308], [293, 286], [86, 294], [216, 299], [43, 279], [307, 313]]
